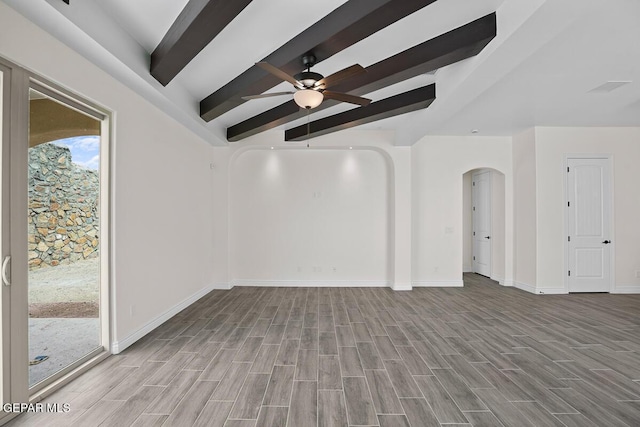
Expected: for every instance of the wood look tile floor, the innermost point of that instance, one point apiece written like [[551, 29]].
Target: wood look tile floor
[[482, 355]]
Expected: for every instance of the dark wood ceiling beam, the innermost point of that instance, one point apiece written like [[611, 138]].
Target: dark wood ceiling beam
[[448, 48], [399, 104], [353, 21], [199, 22]]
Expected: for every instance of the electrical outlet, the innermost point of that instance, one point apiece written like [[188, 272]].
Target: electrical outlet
[[637, 274]]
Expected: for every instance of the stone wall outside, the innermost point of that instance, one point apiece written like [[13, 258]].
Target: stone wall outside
[[63, 208]]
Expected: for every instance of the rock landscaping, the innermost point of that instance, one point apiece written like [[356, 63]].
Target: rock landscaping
[[63, 208]]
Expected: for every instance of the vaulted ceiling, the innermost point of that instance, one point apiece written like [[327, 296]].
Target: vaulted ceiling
[[433, 66]]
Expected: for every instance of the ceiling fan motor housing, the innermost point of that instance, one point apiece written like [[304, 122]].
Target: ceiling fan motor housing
[[308, 78]]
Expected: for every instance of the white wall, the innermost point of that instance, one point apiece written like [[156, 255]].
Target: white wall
[[552, 145], [439, 164], [303, 216], [384, 174], [220, 217], [161, 184], [525, 234]]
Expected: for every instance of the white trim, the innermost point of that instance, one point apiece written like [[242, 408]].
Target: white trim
[[507, 283], [222, 286], [119, 346], [312, 283], [551, 291], [402, 287], [626, 289], [500, 280], [525, 287], [438, 284]]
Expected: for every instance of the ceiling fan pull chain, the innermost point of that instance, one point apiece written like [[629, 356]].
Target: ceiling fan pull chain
[[308, 126]]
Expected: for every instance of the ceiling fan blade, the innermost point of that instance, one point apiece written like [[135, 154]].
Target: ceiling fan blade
[[337, 77], [266, 95], [278, 73], [345, 97]]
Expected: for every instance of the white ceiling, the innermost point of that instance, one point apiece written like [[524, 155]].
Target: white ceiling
[[539, 71]]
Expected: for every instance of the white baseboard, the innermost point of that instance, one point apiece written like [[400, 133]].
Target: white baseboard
[[402, 287], [222, 286], [313, 283], [500, 280], [507, 283], [119, 346], [551, 291], [438, 284], [539, 291], [525, 287], [626, 289]]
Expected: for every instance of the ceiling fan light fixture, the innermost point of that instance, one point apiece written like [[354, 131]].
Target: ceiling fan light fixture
[[308, 98]]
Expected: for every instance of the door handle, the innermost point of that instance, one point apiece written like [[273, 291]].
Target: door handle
[[487, 237], [606, 242], [5, 265]]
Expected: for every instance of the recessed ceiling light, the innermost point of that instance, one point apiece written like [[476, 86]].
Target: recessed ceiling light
[[350, 148], [272, 148], [610, 86]]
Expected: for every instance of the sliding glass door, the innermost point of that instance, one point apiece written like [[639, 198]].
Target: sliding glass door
[[54, 235]]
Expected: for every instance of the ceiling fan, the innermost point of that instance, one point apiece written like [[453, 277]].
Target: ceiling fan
[[310, 87]]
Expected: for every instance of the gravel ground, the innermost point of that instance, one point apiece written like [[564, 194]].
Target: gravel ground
[[63, 309], [65, 283]]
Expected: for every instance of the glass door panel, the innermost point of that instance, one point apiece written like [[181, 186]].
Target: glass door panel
[[63, 236]]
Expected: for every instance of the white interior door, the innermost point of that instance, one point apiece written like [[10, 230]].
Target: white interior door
[[589, 201], [481, 215]]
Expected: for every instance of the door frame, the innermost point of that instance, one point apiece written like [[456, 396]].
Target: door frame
[[611, 201], [5, 235], [473, 218], [21, 80], [15, 131]]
